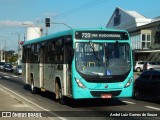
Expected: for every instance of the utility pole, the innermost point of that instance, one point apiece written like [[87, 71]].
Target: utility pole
[[18, 48], [1, 54], [3, 49]]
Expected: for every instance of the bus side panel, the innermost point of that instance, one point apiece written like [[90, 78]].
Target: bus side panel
[[24, 73], [34, 69], [50, 71]]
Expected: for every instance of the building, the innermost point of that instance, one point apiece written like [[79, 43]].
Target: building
[[144, 33]]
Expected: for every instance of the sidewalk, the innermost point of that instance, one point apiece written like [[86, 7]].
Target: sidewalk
[[11, 107]]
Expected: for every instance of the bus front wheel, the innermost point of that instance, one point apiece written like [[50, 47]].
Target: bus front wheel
[[59, 96], [137, 95]]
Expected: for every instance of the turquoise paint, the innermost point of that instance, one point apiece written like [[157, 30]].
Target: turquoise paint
[[79, 93]]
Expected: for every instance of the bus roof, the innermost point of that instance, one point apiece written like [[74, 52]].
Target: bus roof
[[68, 32]]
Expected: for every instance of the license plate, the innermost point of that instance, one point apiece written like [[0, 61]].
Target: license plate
[[106, 96]]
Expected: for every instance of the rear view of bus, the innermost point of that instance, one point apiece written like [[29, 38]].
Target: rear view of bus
[[102, 64]]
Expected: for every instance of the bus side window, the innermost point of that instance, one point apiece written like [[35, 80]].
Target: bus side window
[[59, 50], [50, 52], [24, 54], [36, 52]]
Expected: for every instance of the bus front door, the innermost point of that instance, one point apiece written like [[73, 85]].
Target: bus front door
[[67, 69]]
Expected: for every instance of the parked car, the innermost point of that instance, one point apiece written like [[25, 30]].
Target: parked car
[[8, 67], [1, 65], [151, 65], [147, 85], [18, 69], [139, 66]]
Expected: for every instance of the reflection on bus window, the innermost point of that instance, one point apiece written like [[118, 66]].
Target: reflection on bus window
[[98, 58]]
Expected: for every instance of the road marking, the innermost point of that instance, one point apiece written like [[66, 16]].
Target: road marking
[[14, 76], [1, 86], [129, 102], [152, 107], [3, 73], [7, 76]]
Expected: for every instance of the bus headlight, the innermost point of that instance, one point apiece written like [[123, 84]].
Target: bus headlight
[[80, 84], [128, 83]]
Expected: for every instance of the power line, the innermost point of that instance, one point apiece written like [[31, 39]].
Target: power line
[[82, 8]]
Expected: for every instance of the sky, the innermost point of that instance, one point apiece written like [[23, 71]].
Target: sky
[[74, 13]]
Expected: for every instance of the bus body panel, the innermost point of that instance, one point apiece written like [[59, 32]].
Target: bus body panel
[[45, 74], [98, 89]]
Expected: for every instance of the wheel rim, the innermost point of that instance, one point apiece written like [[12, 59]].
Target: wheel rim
[[32, 86], [59, 95], [58, 92], [138, 69]]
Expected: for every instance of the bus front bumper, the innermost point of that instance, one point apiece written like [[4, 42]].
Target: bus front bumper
[[110, 93]]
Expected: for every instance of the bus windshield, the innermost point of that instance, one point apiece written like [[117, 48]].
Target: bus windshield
[[103, 59]]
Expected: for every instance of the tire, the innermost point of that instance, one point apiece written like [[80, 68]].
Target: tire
[[33, 89], [138, 69], [59, 96], [137, 95], [151, 69]]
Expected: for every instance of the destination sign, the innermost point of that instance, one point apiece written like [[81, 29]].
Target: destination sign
[[101, 35]]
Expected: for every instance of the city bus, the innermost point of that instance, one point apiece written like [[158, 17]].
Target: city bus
[[80, 64]]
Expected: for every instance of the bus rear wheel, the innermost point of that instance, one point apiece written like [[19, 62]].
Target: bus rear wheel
[[33, 89], [59, 96]]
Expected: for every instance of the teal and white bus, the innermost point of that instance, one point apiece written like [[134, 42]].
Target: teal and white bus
[[80, 63]]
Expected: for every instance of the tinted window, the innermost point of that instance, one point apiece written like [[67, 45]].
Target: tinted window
[[153, 63], [59, 49], [51, 51], [1, 63], [35, 49], [145, 63], [156, 76], [158, 63], [145, 75], [55, 50], [24, 54], [8, 65], [102, 59], [19, 67], [141, 63]]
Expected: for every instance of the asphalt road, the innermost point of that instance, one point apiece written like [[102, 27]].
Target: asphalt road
[[79, 109]]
